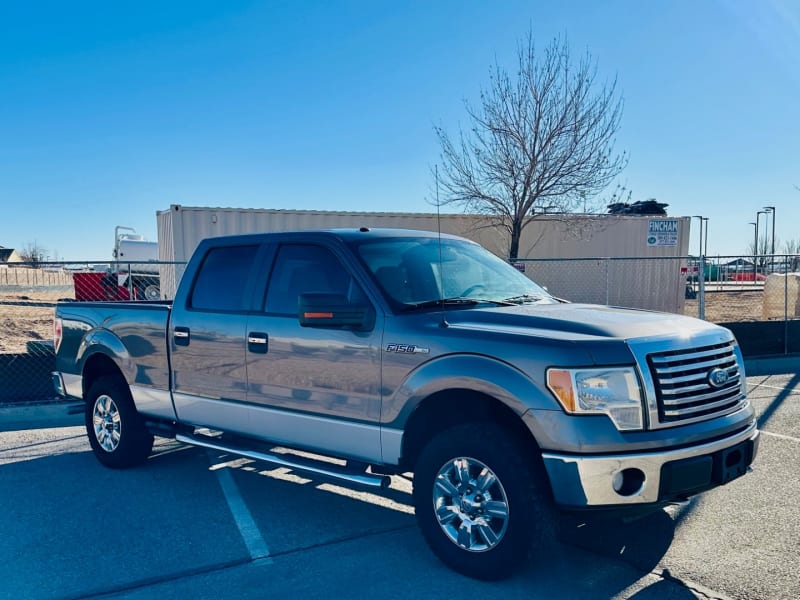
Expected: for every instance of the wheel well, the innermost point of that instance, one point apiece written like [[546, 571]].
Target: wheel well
[[451, 407], [98, 366]]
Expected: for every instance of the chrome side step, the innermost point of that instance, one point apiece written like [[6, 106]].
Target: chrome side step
[[295, 462]]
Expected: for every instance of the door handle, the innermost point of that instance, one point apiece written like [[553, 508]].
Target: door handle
[[181, 336], [257, 342]]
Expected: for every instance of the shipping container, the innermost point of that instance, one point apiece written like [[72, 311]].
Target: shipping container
[[655, 284]]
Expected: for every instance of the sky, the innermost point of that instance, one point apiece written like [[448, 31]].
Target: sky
[[112, 111]]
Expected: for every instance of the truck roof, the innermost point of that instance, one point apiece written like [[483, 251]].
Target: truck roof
[[343, 234]]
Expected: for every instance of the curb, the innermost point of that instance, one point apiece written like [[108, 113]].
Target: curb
[[40, 416]]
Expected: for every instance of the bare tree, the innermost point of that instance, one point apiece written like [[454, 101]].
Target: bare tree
[[792, 249], [33, 253], [540, 142], [761, 253]]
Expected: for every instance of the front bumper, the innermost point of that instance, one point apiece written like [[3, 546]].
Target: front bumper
[[649, 477]]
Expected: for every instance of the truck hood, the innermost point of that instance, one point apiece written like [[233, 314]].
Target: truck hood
[[574, 321]]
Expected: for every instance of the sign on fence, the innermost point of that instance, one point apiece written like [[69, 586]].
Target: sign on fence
[[662, 232]]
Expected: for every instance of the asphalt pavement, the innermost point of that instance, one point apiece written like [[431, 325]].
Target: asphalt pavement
[[200, 524]]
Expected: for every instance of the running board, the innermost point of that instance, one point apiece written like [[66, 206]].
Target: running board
[[297, 463]]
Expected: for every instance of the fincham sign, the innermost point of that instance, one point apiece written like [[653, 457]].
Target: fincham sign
[[663, 232]]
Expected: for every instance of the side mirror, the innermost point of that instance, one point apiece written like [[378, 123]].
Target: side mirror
[[334, 311]]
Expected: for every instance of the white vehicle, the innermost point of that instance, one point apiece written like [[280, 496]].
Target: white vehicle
[[137, 259]]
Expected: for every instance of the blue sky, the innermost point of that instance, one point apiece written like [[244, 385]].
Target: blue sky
[[110, 111]]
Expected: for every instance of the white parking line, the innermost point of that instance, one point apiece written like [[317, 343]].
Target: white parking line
[[772, 387], [783, 437], [247, 526]]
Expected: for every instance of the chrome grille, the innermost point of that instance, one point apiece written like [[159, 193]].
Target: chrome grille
[[683, 383]]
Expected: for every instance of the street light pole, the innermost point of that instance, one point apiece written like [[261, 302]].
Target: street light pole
[[755, 247], [700, 220], [771, 209], [758, 216], [701, 275]]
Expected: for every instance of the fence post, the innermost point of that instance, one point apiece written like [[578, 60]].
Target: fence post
[[130, 284], [608, 283], [701, 289], [786, 312]]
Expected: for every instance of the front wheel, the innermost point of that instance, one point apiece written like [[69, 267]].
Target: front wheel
[[117, 433], [480, 502]]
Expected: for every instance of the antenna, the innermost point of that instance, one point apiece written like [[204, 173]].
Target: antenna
[[444, 322]]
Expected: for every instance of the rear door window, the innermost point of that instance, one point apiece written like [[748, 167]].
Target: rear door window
[[223, 279]]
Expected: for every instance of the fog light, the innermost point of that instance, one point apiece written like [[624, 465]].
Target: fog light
[[628, 482]]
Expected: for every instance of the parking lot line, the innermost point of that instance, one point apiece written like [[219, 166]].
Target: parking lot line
[[778, 435], [256, 545], [771, 387]]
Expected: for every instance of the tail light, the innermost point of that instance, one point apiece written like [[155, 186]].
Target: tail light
[[58, 332]]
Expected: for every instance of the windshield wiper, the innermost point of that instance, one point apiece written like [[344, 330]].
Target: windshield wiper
[[456, 301], [524, 298]]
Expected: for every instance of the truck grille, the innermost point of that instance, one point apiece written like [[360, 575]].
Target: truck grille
[[696, 384]]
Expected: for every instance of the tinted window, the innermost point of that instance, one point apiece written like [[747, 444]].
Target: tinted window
[[223, 278], [302, 269]]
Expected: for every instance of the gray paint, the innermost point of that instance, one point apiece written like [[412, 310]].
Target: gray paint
[[345, 394]]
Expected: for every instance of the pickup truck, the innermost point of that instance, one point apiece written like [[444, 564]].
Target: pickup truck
[[401, 351]]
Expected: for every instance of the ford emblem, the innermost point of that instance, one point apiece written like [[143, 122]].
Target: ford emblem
[[718, 377]]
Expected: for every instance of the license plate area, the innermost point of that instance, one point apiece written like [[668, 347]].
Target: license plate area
[[689, 476], [732, 462]]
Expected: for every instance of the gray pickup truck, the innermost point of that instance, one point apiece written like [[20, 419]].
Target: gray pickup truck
[[406, 351]]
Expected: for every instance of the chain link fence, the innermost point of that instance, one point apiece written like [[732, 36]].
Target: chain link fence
[[28, 295], [757, 297]]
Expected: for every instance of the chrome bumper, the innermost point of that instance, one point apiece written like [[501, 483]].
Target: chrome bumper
[[649, 478]]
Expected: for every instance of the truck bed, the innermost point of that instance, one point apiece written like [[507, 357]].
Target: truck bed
[[136, 331]]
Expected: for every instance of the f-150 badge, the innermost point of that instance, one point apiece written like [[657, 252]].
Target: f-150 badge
[[407, 349]]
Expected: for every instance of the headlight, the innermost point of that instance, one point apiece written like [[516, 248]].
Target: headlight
[[613, 392]]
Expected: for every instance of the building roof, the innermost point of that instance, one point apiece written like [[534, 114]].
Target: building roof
[[6, 254]]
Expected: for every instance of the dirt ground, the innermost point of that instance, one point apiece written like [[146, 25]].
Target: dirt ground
[[729, 306], [26, 317]]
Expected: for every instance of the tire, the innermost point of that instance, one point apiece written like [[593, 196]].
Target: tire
[[480, 503], [151, 292], [117, 433]]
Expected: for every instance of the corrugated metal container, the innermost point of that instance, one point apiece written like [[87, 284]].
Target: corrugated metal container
[[653, 281], [181, 228]]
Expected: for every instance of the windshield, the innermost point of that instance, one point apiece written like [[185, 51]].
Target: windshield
[[422, 271]]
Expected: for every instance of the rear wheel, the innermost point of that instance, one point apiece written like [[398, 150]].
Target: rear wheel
[[151, 292], [480, 502], [117, 433]]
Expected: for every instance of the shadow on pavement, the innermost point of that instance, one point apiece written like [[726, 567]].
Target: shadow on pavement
[[167, 524], [788, 389], [642, 543]]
